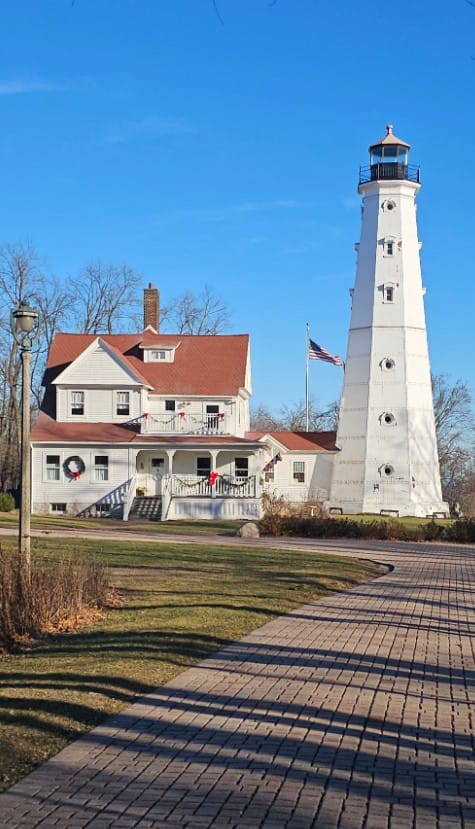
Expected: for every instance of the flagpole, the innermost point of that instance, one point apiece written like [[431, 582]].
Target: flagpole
[[306, 382]]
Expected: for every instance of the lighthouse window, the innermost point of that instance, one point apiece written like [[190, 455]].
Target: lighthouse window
[[388, 419], [390, 248], [388, 470], [388, 364], [389, 293]]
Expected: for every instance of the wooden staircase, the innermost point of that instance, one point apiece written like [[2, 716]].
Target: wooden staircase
[[146, 508]]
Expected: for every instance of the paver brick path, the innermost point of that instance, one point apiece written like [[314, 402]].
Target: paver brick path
[[352, 712]]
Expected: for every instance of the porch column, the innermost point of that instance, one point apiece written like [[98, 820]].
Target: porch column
[[214, 456], [170, 456]]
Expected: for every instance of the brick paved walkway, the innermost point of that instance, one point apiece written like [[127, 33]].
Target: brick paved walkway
[[353, 712]]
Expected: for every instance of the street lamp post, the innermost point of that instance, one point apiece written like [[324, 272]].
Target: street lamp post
[[25, 329]]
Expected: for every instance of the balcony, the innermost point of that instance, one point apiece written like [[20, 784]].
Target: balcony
[[387, 171], [185, 423]]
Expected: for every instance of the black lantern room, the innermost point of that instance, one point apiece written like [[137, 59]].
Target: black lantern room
[[389, 159]]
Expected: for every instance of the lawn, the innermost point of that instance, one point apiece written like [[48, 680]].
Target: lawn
[[179, 604]]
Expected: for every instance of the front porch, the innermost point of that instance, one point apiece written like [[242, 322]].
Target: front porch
[[193, 496], [223, 484]]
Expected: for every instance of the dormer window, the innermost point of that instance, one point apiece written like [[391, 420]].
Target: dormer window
[[159, 353]]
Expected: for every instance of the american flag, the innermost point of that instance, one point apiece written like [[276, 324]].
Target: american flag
[[316, 352]]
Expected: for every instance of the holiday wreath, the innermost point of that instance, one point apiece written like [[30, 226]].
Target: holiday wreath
[[73, 467]]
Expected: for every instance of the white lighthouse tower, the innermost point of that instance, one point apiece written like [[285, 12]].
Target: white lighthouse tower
[[388, 461]]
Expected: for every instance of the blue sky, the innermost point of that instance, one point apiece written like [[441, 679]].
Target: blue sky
[[219, 144]]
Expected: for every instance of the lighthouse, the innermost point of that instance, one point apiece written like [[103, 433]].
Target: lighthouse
[[387, 461]]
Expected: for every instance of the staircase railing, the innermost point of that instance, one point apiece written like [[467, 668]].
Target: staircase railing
[[129, 497], [166, 495]]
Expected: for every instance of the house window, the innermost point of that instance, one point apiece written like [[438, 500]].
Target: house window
[[299, 471], [53, 468], [58, 508], [203, 467], [269, 475], [103, 508], [77, 403], [158, 355], [169, 405], [122, 406], [101, 468], [241, 467]]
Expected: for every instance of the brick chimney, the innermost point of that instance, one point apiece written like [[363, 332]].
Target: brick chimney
[[151, 307]]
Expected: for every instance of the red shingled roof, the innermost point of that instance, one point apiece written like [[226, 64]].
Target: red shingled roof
[[203, 365], [300, 441]]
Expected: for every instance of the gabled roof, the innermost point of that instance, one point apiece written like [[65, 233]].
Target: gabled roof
[[299, 441], [207, 365], [113, 352]]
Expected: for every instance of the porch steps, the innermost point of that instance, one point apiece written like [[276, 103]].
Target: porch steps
[[149, 508]]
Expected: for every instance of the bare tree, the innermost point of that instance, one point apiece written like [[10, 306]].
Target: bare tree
[[262, 420], [204, 313], [22, 277], [293, 418], [455, 426], [106, 297]]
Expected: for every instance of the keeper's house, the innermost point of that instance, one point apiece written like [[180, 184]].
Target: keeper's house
[[157, 425]]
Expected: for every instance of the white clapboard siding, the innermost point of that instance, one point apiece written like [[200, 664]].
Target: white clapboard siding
[[98, 366], [99, 404], [86, 490]]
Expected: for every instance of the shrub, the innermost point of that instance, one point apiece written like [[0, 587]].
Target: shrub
[[7, 502], [49, 597], [461, 531], [433, 531]]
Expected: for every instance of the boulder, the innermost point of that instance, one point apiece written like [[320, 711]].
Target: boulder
[[249, 530]]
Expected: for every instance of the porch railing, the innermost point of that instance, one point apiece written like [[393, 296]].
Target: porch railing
[[225, 486]]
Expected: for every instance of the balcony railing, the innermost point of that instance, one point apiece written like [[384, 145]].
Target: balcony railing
[[185, 424], [389, 171]]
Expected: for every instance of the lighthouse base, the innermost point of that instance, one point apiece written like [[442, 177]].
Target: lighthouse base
[[395, 509]]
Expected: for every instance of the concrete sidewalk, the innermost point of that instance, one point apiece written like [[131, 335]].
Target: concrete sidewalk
[[351, 712]]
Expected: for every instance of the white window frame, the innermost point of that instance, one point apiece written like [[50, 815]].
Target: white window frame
[[389, 292], [52, 467], [237, 472], [298, 468], [72, 394], [58, 508], [99, 469], [118, 394]]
